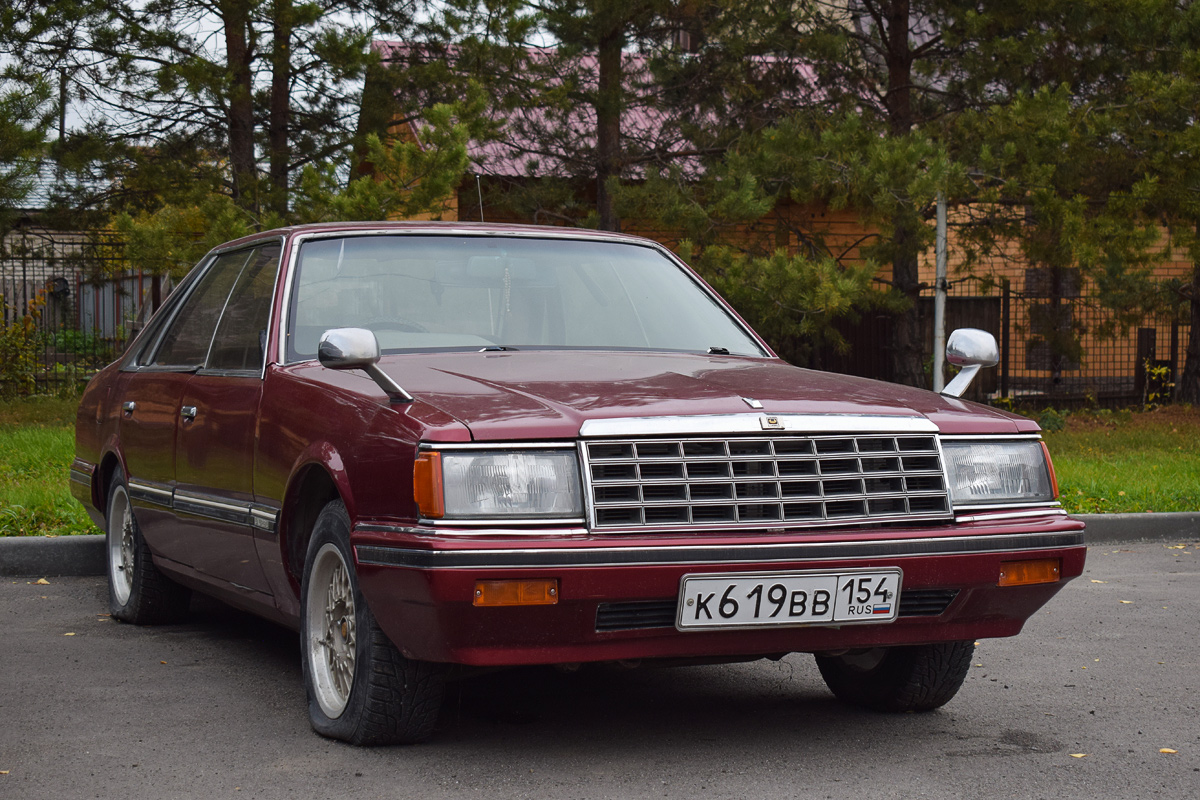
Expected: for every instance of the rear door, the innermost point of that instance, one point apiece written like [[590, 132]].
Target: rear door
[[150, 390]]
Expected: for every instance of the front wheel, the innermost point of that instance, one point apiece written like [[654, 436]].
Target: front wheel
[[360, 688], [899, 679]]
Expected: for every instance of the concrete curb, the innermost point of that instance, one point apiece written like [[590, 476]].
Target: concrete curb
[[1175, 526], [43, 556], [39, 556]]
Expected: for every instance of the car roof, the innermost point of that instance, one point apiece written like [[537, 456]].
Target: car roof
[[440, 229]]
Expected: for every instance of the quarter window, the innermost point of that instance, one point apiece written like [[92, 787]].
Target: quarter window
[[241, 337], [187, 340]]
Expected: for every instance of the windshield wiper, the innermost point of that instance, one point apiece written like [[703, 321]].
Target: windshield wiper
[[718, 351], [495, 348]]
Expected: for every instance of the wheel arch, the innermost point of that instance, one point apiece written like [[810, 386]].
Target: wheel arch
[[102, 480], [311, 488]]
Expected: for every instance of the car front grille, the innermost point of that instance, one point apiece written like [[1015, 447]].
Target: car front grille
[[765, 481]]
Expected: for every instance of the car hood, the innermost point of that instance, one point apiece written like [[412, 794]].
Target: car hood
[[550, 394]]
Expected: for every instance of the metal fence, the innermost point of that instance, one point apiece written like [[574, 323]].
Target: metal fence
[[1058, 344], [69, 306]]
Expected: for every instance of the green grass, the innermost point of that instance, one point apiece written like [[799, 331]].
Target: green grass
[[1121, 462], [37, 443], [42, 412], [35, 496]]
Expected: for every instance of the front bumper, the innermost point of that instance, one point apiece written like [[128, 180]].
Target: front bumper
[[616, 595]]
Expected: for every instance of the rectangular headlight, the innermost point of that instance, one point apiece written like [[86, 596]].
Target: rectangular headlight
[[511, 483], [997, 472]]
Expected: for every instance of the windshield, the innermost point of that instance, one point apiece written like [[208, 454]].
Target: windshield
[[471, 293]]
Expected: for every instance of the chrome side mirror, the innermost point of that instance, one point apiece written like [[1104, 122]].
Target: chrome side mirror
[[971, 349], [357, 348]]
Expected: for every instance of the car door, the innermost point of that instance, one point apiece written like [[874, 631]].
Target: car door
[[150, 392], [217, 429]]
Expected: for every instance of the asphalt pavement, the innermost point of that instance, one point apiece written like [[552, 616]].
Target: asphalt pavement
[[1080, 705]]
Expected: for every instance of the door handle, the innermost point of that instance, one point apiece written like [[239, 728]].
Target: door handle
[[128, 406], [188, 412]]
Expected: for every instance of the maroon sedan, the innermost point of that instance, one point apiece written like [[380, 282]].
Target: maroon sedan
[[424, 445]]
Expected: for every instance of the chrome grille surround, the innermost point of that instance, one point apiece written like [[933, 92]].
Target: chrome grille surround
[[774, 480]]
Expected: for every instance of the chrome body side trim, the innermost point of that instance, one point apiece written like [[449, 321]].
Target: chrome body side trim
[[158, 494], [560, 558], [82, 471], [209, 507]]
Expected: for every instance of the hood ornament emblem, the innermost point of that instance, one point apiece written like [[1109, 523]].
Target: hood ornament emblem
[[750, 401], [771, 423]]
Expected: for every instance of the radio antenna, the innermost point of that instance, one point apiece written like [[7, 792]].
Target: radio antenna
[[479, 191]]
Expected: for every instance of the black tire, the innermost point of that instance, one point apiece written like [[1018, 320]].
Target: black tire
[[899, 679], [137, 591], [360, 688]]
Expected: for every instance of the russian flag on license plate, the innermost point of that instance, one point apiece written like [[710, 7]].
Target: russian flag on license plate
[[882, 609]]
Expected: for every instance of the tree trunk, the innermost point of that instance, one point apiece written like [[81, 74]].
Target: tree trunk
[[908, 355], [240, 111], [280, 109], [608, 125], [1188, 390]]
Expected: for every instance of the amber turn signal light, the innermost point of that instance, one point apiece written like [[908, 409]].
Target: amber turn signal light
[[1023, 573], [516, 593], [427, 485]]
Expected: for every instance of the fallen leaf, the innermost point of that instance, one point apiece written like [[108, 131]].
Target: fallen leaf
[[1175, 546], [1127, 602], [1120, 494], [68, 634], [1167, 750], [162, 662], [3, 772], [42, 582], [1096, 581], [1097, 659], [1078, 755]]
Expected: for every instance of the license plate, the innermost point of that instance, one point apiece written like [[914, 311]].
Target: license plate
[[752, 600]]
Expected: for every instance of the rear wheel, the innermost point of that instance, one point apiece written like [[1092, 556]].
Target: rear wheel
[[899, 679], [360, 688], [137, 591]]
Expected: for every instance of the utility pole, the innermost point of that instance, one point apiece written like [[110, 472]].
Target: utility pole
[[939, 299]]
